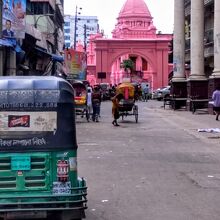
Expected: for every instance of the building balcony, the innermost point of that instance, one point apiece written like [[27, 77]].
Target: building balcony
[[209, 37], [207, 2]]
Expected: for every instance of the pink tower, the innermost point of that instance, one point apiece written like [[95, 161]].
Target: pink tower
[[134, 37]]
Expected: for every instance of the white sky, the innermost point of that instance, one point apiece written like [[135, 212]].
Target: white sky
[[107, 12]]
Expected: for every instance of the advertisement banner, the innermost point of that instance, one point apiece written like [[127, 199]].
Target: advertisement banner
[[28, 121], [13, 19], [75, 64]]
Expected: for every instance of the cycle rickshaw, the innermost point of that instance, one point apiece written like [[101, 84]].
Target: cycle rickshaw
[[80, 99], [127, 106]]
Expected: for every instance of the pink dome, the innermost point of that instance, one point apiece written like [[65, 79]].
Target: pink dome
[[134, 21], [135, 8]]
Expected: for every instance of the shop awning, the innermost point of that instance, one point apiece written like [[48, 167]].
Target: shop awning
[[55, 57], [42, 51], [11, 43], [7, 42], [58, 58]]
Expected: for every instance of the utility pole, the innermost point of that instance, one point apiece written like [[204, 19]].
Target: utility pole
[[75, 27], [85, 48], [85, 41]]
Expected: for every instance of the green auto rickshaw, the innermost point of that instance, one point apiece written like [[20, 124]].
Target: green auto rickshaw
[[38, 157]]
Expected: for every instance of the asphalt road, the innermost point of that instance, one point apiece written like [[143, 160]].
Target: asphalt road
[[160, 168]]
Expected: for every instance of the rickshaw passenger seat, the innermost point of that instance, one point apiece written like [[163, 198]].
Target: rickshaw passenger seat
[[126, 93]]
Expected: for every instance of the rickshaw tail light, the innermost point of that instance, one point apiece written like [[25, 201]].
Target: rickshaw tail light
[[62, 170]]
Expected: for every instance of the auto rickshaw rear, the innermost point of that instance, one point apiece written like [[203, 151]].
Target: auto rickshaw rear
[[38, 159], [80, 99]]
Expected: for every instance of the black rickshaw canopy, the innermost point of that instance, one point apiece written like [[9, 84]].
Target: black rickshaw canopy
[[37, 113]]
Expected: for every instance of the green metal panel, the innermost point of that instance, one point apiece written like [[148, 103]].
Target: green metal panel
[[37, 178]]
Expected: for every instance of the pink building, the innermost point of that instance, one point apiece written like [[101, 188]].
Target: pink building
[[134, 37]]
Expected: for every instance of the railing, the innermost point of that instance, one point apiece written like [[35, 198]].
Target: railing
[[206, 2], [187, 44], [208, 36], [187, 2]]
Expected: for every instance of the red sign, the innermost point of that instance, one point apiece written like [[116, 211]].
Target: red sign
[[18, 121]]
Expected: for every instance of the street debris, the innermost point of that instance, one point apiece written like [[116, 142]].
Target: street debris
[[104, 200], [209, 130]]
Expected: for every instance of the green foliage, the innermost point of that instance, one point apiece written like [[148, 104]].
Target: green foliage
[[127, 65]]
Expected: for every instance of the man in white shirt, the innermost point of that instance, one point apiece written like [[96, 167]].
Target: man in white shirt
[[89, 101]]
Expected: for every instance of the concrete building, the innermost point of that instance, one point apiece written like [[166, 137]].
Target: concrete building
[[196, 37], [208, 34], [85, 26], [42, 43]]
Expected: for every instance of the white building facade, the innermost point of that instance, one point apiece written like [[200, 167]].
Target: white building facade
[[85, 26]]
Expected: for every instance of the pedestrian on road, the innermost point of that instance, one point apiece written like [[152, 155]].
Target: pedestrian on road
[[145, 93], [89, 102], [115, 108], [216, 101], [96, 103]]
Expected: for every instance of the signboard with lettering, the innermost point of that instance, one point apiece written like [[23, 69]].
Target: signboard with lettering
[[20, 163], [75, 64], [13, 14], [60, 188]]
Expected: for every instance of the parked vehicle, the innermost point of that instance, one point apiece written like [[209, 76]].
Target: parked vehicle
[[38, 158], [161, 93], [105, 88]]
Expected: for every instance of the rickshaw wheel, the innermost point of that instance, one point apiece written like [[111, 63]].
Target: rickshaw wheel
[[122, 117], [135, 112]]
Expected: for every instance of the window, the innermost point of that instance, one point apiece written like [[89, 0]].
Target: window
[[67, 31], [42, 8], [67, 24], [67, 37], [67, 45]]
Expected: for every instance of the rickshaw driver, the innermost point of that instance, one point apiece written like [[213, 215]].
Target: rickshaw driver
[[115, 108]]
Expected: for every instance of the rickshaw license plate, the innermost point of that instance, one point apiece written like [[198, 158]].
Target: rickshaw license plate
[[20, 163], [61, 188]]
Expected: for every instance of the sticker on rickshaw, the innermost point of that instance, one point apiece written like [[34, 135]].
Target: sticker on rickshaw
[[73, 163], [20, 163], [61, 188], [28, 121]]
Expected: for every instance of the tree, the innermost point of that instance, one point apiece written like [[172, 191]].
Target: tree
[[127, 65]]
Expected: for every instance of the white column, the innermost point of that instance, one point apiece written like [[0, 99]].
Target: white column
[[216, 71], [179, 41], [197, 40]]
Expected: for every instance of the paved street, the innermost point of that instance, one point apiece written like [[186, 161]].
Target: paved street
[[159, 169]]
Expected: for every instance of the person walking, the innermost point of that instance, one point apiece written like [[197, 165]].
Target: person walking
[[89, 102], [96, 103], [115, 108], [145, 93], [216, 101]]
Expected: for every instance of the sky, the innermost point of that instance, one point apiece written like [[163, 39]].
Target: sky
[[107, 12]]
